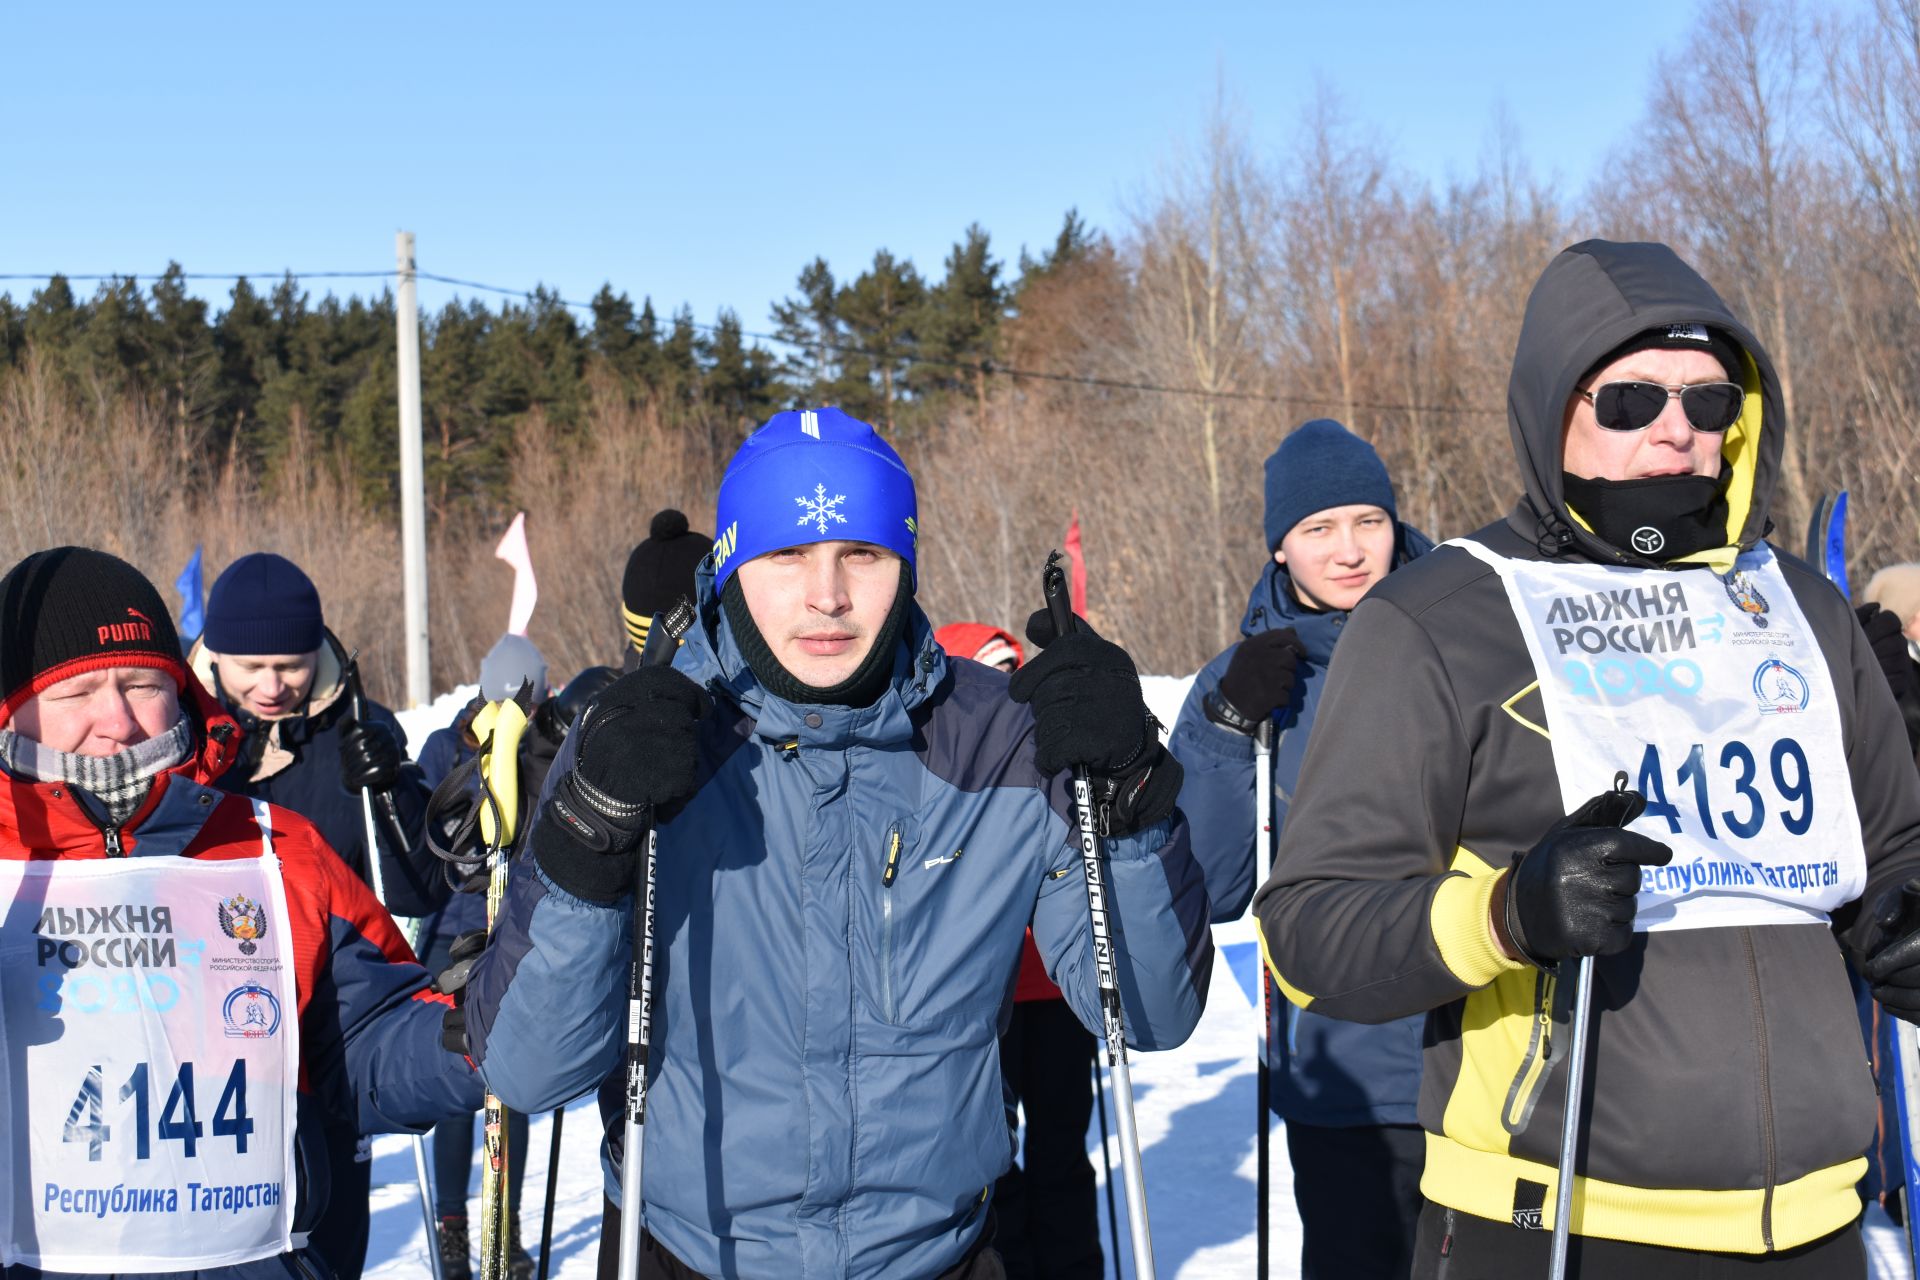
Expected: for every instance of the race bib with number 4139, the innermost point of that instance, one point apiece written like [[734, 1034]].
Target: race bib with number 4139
[[1713, 696]]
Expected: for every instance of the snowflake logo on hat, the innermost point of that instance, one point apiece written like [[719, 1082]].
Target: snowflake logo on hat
[[819, 509]]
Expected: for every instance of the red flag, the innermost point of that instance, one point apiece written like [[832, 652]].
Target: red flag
[[1077, 578]]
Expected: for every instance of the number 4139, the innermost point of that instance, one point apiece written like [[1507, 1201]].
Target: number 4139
[[1786, 763], [179, 1118]]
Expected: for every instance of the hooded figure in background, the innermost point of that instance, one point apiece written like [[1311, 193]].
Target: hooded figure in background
[[1461, 833]]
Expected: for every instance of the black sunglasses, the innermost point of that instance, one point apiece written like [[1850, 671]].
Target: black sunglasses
[[1632, 406]]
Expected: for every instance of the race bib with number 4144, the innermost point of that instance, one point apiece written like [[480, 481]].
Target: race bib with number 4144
[[148, 1064]]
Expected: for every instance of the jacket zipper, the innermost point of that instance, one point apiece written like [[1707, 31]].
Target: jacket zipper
[[1538, 1061], [111, 834], [1767, 1137], [886, 921]]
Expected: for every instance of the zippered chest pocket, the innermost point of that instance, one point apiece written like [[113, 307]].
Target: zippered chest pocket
[[928, 930]]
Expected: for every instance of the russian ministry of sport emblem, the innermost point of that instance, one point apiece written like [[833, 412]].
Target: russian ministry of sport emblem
[[243, 920]]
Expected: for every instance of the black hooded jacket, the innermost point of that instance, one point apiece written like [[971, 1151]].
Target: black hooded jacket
[[1730, 1096]]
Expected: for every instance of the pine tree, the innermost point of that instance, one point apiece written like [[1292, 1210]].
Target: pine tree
[[959, 326], [182, 363], [1074, 243], [247, 349], [741, 381], [878, 310], [810, 324]]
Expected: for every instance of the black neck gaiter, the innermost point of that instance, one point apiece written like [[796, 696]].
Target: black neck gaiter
[[1659, 517], [861, 689]]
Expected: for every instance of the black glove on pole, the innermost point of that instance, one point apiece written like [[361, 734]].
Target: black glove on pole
[[1088, 713], [370, 761], [1081, 666], [638, 752], [1259, 680], [1572, 894], [674, 786]]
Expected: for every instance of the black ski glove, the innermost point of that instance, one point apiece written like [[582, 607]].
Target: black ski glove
[[1259, 680], [1572, 894], [1088, 711], [452, 981], [369, 755], [638, 753], [1892, 968]]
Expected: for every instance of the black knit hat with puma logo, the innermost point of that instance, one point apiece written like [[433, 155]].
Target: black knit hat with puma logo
[[74, 609]]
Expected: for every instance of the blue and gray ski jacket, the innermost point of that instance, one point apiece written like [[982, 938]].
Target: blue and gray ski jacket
[[1324, 1071], [839, 920]]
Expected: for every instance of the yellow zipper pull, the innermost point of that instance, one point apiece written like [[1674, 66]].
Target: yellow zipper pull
[[893, 861]]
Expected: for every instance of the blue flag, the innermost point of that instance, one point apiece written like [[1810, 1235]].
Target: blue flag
[[193, 615]]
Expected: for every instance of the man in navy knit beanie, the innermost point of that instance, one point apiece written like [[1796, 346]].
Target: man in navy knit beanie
[[1347, 1093], [267, 655]]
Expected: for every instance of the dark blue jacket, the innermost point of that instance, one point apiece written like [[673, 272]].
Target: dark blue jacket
[[1325, 1072], [444, 751], [825, 1095], [302, 773]]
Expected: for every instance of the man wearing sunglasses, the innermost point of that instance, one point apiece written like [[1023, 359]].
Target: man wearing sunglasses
[[1617, 724]]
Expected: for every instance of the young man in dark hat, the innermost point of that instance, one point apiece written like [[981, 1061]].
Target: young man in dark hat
[[192, 979], [267, 655], [1459, 841], [1347, 1093], [853, 835]]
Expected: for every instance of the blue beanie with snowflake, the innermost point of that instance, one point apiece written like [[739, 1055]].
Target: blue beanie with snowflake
[[812, 475]]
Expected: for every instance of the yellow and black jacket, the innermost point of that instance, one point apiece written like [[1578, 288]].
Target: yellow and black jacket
[[1730, 1095]]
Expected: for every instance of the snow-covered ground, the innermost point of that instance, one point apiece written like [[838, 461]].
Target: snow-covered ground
[[1195, 1109]]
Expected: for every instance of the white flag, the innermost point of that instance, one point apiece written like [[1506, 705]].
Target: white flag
[[513, 549]]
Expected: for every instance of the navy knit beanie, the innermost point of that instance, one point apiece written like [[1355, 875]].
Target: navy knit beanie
[[263, 604], [1321, 464]]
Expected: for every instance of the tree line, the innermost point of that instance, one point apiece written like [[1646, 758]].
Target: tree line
[[233, 382]]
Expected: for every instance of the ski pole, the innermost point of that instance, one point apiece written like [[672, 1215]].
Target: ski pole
[[1263, 1076], [1576, 1091], [410, 931], [499, 727], [661, 642], [553, 1176], [1106, 1162], [1053, 583]]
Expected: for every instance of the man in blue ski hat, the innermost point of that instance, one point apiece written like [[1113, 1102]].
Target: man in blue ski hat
[[853, 835]]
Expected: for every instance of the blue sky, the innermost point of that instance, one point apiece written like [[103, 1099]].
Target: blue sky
[[704, 153]]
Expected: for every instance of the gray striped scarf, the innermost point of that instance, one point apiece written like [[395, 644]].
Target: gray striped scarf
[[120, 781]]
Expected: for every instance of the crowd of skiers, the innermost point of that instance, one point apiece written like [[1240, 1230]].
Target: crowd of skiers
[[1616, 742]]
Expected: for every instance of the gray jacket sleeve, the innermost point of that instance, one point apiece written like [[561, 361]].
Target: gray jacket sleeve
[[1364, 917]]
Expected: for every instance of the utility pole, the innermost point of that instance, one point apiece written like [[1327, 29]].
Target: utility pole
[[413, 514]]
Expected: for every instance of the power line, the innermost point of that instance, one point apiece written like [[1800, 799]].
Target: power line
[[201, 275], [987, 368]]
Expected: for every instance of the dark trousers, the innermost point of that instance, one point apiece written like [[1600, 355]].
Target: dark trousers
[[657, 1264], [1358, 1190], [1046, 1205], [454, 1144], [1458, 1246], [341, 1234]]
